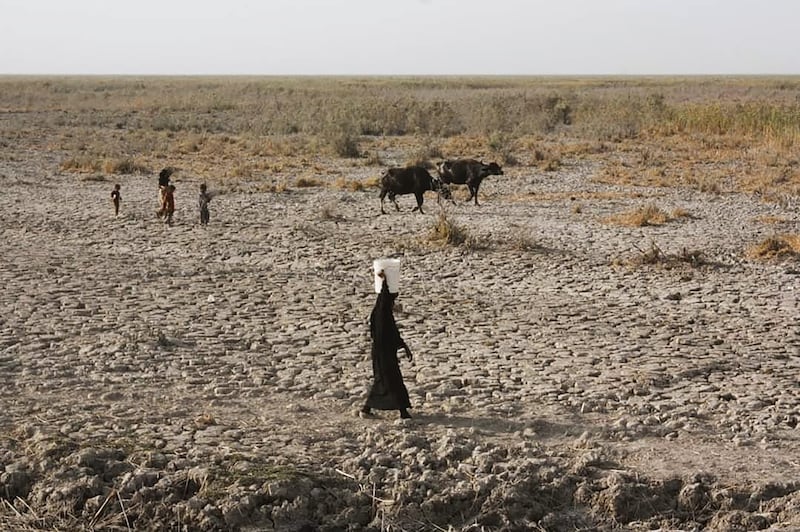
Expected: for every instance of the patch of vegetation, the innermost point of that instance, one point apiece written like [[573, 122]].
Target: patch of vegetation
[[372, 182], [94, 177], [776, 247], [428, 150], [655, 256], [448, 232], [343, 143], [328, 212], [641, 217], [716, 135], [81, 164], [353, 185], [307, 182], [503, 145], [124, 166]]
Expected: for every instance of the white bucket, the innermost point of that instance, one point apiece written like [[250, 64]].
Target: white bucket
[[391, 268]]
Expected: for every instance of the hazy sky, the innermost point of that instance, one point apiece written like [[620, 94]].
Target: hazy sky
[[400, 37]]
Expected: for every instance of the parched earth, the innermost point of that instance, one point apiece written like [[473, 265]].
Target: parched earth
[[569, 374]]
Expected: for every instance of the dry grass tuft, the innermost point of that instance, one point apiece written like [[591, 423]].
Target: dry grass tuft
[[428, 150], [641, 217], [771, 219], [522, 242], [353, 185], [81, 164], [776, 247], [242, 170], [655, 256], [277, 186], [447, 232], [372, 182], [124, 166], [98, 178], [307, 182], [328, 212], [680, 212]]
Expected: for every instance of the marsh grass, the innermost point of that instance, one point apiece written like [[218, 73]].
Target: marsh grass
[[715, 134]]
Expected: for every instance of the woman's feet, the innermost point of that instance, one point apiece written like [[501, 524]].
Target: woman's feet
[[367, 412]]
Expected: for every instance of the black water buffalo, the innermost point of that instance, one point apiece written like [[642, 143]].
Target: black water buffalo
[[467, 172], [410, 180]]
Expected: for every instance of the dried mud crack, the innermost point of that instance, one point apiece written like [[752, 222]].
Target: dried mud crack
[[197, 378]]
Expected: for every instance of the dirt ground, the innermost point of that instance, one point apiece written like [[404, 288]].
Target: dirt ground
[[569, 373]]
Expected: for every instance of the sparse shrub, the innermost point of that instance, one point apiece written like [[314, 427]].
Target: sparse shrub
[[680, 212], [373, 158], [328, 213], [372, 182], [422, 156], [344, 144], [641, 217], [503, 145], [656, 256], [277, 186], [307, 182], [776, 247], [94, 177], [550, 165], [81, 164], [547, 161], [522, 242], [772, 219], [242, 170], [352, 185], [446, 231], [124, 166], [708, 185]]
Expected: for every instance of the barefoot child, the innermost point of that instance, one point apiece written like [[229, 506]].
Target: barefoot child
[[202, 201], [169, 203], [116, 197], [163, 185]]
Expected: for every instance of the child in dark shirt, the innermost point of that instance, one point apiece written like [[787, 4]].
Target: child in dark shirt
[[116, 197], [202, 202]]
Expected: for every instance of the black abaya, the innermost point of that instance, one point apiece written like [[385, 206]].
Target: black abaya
[[388, 390]]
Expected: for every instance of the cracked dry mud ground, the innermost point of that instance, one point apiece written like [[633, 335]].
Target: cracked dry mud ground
[[197, 378]]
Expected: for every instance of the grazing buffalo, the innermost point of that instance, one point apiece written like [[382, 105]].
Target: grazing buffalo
[[410, 180], [467, 172]]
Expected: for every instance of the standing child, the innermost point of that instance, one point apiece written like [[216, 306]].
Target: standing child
[[116, 197], [163, 185], [203, 200], [169, 203]]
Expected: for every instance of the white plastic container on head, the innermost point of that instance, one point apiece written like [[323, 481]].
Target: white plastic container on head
[[391, 268]]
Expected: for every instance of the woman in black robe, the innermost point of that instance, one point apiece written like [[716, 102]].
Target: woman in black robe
[[388, 391]]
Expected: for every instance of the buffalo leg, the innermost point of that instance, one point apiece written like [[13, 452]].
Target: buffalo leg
[[393, 198], [383, 195], [420, 198], [473, 191]]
